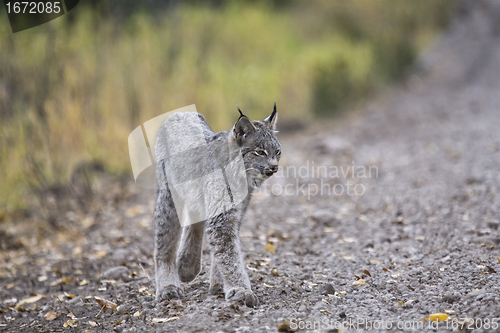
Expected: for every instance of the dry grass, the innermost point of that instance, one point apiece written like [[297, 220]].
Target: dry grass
[[74, 92]]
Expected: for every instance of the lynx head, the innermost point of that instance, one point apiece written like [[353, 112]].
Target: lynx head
[[259, 146]]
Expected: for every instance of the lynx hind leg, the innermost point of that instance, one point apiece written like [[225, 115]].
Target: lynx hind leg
[[216, 281], [189, 257], [167, 235]]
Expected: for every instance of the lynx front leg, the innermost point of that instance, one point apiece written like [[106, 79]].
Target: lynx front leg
[[224, 239], [167, 235]]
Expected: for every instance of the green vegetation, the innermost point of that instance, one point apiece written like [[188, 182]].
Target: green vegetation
[[74, 89]]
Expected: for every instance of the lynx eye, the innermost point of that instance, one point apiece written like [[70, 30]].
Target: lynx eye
[[277, 152], [261, 152]]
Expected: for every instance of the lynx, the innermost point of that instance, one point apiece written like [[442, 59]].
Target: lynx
[[178, 249]]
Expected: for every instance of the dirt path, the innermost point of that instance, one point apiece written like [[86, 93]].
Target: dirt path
[[420, 236]]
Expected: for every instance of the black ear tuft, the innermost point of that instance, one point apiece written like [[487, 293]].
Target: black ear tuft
[[241, 113], [272, 119]]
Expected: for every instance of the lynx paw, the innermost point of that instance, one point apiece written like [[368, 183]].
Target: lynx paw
[[168, 293], [242, 294]]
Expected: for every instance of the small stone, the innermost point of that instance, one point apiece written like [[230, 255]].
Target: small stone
[[326, 289], [477, 292], [116, 273], [324, 216], [76, 300], [274, 272], [122, 309], [493, 224], [450, 298], [120, 255], [402, 288]]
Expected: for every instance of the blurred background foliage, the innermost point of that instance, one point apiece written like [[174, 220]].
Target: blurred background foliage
[[72, 90]]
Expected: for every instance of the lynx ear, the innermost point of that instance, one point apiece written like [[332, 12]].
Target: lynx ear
[[243, 127], [272, 119]]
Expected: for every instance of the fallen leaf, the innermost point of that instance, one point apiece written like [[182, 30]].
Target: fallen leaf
[[311, 284], [137, 314], [68, 295], [105, 304], [83, 282], [67, 279], [51, 315], [56, 282], [118, 322], [268, 286], [325, 311], [359, 282], [100, 254], [19, 308], [134, 211], [375, 261], [164, 320], [77, 250], [438, 316], [270, 248], [367, 273], [349, 240], [65, 297], [252, 268], [92, 323], [88, 222], [71, 323], [42, 278], [385, 269], [285, 326], [145, 291], [362, 217], [406, 304], [10, 285], [29, 300]]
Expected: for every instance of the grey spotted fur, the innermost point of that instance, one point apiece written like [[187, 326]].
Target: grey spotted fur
[[178, 250]]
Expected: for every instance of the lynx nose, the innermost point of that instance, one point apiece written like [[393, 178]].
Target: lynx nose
[[271, 170]]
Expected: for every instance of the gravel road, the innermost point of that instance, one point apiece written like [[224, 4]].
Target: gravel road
[[375, 222]]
